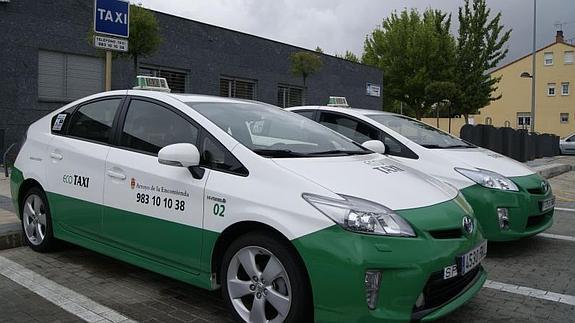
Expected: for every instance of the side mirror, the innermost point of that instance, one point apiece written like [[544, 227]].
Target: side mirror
[[375, 145], [179, 155]]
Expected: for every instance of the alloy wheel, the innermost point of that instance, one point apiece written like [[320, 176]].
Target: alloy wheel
[[34, 219], [258, 286]]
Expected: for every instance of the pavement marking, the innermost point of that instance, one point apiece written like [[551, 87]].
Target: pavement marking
[[564, 209], [67, 299], [556, 236], [531, 292]]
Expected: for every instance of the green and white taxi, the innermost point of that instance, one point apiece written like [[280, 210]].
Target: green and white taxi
[[510, 200], [293, 221]]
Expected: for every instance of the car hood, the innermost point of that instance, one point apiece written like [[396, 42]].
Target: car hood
[[485, 159], [372, 177]]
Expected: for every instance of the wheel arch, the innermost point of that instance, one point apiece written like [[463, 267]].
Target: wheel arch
[[238, 229], [26, 185]]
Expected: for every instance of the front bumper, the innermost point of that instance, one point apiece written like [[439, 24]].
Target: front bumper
[[525, 217], [336, 261]]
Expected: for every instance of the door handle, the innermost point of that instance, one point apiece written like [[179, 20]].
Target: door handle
[[56, 156], [116, 175]]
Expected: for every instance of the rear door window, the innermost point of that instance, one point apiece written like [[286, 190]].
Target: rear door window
[[93, 121]]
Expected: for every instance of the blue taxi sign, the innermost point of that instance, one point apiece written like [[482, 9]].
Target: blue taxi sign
[[112, 17]]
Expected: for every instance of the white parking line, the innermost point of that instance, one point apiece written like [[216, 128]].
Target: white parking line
[[556, 236], [531, 292], [67, 299], [564, 209]]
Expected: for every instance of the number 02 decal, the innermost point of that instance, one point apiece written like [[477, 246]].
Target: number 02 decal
[[219, 209]]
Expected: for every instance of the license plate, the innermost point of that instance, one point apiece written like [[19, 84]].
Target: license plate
[[547, 204], [472, 259]]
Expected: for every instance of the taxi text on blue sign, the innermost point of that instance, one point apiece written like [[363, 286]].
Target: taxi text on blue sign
[[112, 17]]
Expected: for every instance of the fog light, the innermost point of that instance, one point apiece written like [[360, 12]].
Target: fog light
[[503, 217], [372, 282]]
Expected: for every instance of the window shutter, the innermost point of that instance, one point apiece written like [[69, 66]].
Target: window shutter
[[51, 75]]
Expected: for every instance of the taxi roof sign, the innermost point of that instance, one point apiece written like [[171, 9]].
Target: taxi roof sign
[[338, 101], [152, 83]]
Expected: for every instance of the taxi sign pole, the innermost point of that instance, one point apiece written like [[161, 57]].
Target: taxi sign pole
[[108, 70]]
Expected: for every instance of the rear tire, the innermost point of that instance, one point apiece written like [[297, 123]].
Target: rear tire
[[37, 221], [263, 280]]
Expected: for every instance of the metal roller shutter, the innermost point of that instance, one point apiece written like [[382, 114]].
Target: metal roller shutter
[[67, 77]]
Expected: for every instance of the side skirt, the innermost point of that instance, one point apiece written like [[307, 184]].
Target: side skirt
[[202, 280]]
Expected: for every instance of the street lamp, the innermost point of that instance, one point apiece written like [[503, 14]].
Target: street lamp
[[533, 65], [526, 75]]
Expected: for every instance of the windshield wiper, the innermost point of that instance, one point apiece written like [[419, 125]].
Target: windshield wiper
[[279, 153], [339, 152], [433, 146], [459, 146]]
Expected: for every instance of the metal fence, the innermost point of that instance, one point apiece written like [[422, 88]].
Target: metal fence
[[517, 144]]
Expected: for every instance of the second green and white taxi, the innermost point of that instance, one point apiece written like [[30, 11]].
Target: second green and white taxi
[[510, 200], [292, 221]]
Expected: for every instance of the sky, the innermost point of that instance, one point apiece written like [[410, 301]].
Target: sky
[[340, 25]]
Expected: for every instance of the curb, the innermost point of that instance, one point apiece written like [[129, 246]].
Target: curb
[[552, 170], [11, 236]]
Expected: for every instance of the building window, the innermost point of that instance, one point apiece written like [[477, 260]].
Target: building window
[[550, 89], [565, 88], [523, 119], [488, 121], [67, 77], [568, 58], [289, 96], [564, 117], [238, 88], [507, 124], [177, 80], [548, 58]]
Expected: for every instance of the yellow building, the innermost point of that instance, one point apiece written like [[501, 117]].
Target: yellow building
[[554, 94]]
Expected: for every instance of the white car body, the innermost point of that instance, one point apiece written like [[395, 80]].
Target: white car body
[[567, 144], [195, 209]]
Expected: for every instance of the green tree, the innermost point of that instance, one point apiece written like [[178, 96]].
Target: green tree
[[414, 51], [480, 47], [144, 34], [305, 64], [350, 56], [319, 50]]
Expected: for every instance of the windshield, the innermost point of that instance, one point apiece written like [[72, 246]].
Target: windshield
[[419, 132], [272, 132]]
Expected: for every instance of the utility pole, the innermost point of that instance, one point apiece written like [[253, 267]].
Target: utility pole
[[533, 66]]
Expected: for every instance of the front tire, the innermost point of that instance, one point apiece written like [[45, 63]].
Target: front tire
[[37, 221], [264, 281]]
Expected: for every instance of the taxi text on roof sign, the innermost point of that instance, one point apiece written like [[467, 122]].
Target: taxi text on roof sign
[[152, 83], [112, 17]]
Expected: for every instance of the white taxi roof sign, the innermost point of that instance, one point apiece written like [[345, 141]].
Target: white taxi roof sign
[[338, 101], [152, 83]]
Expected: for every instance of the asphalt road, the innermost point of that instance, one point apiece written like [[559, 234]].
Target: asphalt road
[[532, 280]]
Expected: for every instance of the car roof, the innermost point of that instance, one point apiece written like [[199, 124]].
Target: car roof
[[187, 98], [350, 111]]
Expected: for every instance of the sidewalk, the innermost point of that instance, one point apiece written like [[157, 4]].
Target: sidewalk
[[549, 167], [10, 231], [10, 235]]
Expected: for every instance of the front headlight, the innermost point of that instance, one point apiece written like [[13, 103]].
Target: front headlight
[[488, 179], [358, 215]]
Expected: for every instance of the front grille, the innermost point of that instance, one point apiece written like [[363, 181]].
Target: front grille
[[538, 191], [438, 291], [535, 220], [446, 234]]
